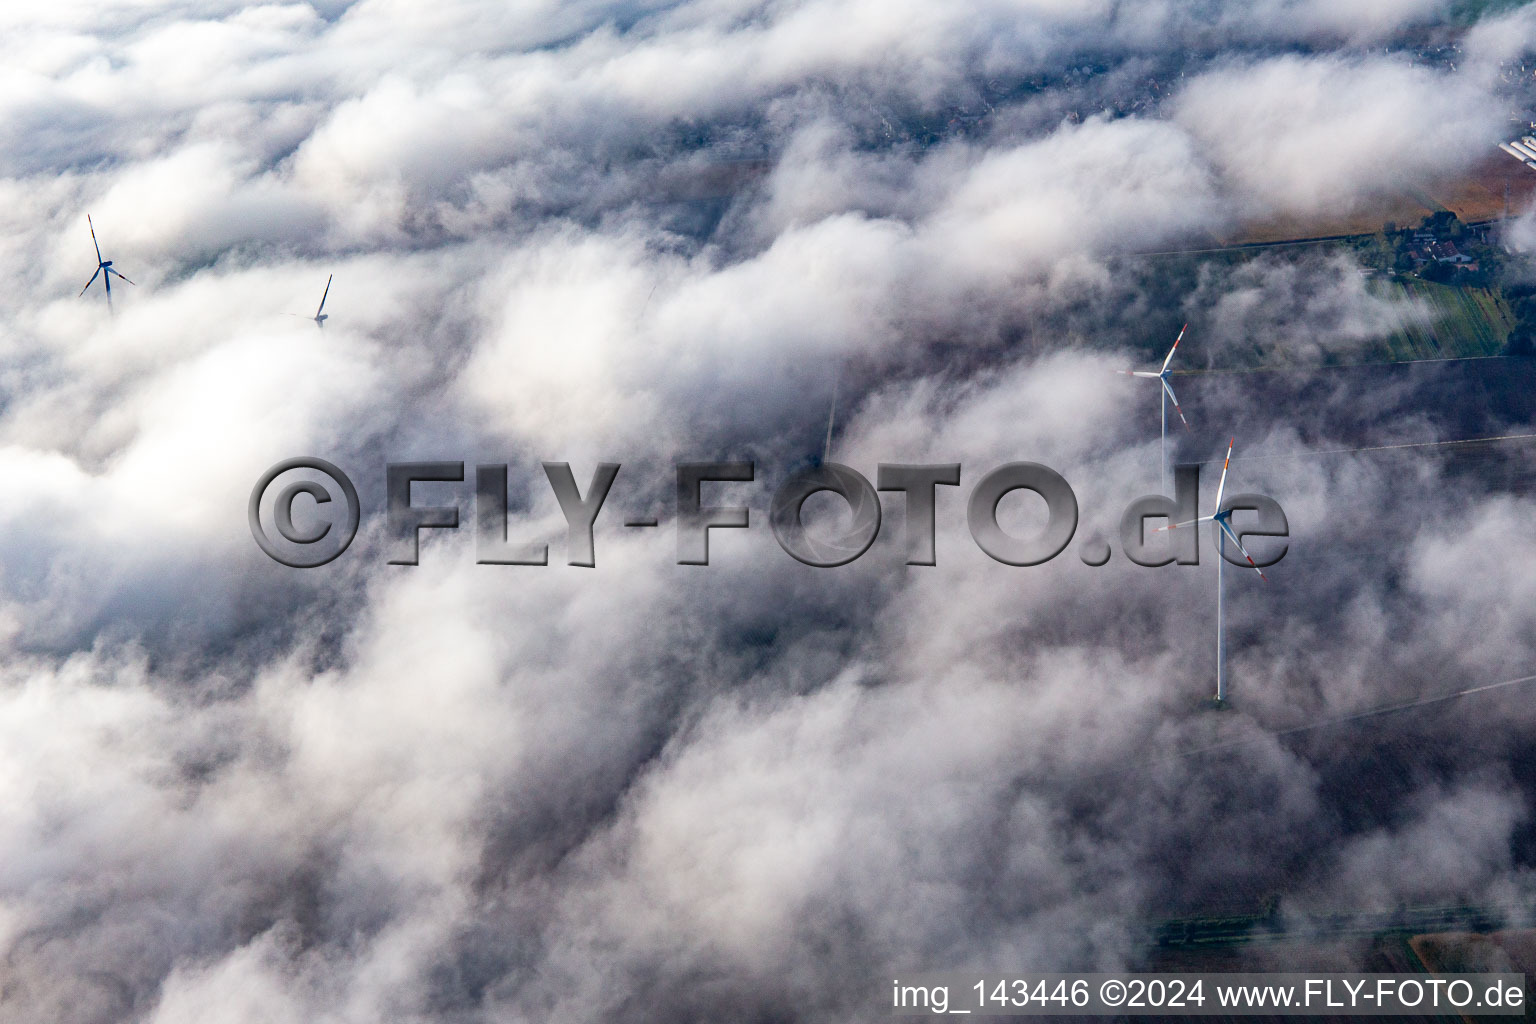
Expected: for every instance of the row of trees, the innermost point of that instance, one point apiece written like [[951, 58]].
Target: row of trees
[[1521, 296]]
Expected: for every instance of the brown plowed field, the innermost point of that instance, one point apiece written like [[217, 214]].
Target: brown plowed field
[[1476, 196]]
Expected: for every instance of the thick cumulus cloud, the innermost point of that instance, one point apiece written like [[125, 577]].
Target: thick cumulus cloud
[[1310, 135], [676, 231]]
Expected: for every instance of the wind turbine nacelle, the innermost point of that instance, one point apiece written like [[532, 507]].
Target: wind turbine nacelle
[[322, 316], [106, 263]]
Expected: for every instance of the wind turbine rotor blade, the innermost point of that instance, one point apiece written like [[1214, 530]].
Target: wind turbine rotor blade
[[1190, 522], [93, 238], [1175, 399], [321, 308], [90, 282], [1221, 488], [1140, 373], [1175, 347], [1232, 536], [120, 274]]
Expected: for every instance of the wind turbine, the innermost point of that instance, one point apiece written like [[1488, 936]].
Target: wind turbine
[[1223, 519], [837, 378], [320, 315], [1162, 378], [104, 268]]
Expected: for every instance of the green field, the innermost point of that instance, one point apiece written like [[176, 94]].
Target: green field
[[1448, 323]]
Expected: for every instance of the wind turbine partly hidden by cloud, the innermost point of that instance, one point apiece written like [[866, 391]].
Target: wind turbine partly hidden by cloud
[[1223, 519], [320, 315], [104, 268], [1162, 378]]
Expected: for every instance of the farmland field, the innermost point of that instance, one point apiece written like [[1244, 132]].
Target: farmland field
[[1495, 187], [1441, 321]]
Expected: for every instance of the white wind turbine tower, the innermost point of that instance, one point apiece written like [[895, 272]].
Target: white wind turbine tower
[[1162, 378], [1223, 519], [837, 379]]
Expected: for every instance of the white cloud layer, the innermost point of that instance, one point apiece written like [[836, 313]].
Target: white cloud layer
[[659, 232]]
